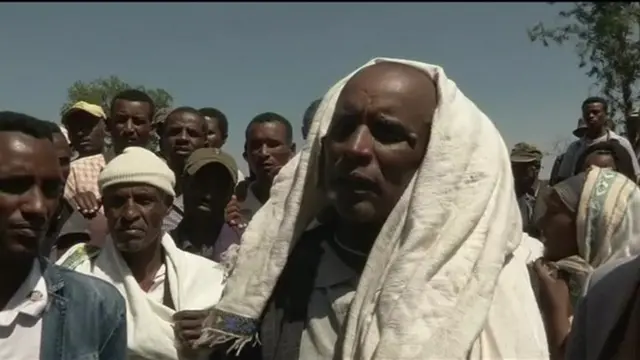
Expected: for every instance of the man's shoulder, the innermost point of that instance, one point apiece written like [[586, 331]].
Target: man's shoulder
[[80, 288], [573, 146]]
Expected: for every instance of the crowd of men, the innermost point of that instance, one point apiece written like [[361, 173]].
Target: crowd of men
[[403, 229]]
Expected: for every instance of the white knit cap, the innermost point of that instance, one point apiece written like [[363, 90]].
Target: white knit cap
[[137, 165]]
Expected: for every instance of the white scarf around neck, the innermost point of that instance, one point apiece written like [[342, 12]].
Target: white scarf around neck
[[195, 283]]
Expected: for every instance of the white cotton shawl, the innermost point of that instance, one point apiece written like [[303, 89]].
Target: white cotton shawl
[[443, 279], [195, 282]]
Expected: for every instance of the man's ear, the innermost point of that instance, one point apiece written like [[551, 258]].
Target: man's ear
[[293, 149], [321, 164]]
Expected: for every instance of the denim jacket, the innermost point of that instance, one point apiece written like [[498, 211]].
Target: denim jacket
[[85, 318]]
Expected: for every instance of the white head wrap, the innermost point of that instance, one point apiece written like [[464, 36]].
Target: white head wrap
[[431, 276]]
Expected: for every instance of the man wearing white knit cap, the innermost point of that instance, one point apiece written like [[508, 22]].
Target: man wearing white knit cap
[[160, 282]]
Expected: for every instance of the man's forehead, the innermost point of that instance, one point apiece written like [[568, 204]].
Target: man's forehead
[[270, 127], [132, 188], [18, 142]]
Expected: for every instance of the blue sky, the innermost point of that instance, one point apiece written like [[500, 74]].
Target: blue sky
[[250, 58]]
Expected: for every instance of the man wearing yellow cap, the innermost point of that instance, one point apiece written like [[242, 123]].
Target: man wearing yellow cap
[[85, 125]]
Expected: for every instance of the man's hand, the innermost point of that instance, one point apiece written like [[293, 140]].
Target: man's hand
[[87, 203], [233, 216], [188, 326]]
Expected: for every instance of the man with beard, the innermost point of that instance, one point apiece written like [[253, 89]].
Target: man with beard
[[129, 124], [268, 146], [46, 312], [594, 113], [183, 132], [209, 181], [166, 288]]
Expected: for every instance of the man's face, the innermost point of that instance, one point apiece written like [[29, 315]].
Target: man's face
[[215, 137], [208, 191], [594, 116], [86, 132], [135, 213], [377, 139], [63, 151], [525, 174], [183, 133], [30, 186], [267, 149], [130, 124]]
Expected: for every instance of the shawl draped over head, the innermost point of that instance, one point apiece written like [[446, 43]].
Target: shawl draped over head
[[427, 290], [195, 283], [607, 208]]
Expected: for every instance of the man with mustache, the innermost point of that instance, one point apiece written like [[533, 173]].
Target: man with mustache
[[594, 114], [209, 179], [166, 288], [183, 132], [129, 124], [268, 147], [46, 312]]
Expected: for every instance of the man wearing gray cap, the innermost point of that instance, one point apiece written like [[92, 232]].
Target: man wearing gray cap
[[210, 176], [525, 163]]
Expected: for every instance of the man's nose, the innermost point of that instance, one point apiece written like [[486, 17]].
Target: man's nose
[[130, 211], [360, 144], [34, 207]]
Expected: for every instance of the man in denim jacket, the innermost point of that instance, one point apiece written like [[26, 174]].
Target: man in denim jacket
[[46, 312]]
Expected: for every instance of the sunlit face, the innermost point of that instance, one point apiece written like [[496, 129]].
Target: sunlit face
[[268, 149], [30, 187], [594, 116], [182, 134], [130, 124], [86, 132], [135, 213], [377, 140]]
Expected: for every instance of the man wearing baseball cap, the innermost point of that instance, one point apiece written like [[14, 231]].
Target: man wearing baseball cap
[[85, 124], [525, 163], [209, 179]]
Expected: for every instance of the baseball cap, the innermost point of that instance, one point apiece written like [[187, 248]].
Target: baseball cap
[[524, 152], [205, 156], [91, 109], [581, 127]]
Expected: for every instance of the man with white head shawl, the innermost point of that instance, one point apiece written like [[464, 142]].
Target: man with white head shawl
[[418, 256], [164, 287]]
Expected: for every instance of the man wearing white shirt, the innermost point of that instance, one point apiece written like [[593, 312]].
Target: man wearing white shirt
[[594, 113]]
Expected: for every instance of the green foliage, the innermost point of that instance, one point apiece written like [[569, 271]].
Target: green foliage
[[606, 39], [100, 92]]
